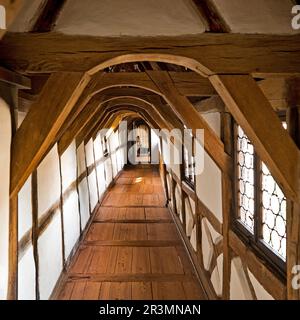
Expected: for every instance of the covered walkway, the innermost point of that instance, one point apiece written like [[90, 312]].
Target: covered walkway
[[132, 249]]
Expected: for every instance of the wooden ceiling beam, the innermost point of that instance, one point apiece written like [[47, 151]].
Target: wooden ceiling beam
[[215, 21], [185, 82], [14, 78], [74, 129], [164, 111], [207, 53], [125, 111], [189, 116], [91, 131], [48, 15], [86, 127], [39, 128], [255, 115], [162, 84]]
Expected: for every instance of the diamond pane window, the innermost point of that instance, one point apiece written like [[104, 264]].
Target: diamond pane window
[[273, 213], [261, 204], [245, 162]]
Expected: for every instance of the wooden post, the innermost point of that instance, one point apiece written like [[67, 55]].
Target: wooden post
[[46, 116], [227, 201], [254, 113], [293, 212], [12, 293]]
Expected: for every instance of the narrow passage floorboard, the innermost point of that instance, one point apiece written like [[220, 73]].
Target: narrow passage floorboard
[[132, 249]]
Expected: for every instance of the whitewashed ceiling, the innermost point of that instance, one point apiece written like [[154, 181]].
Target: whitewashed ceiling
[[160, 17]]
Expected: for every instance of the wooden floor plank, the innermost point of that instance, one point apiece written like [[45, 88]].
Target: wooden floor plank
[[168, 291], [157, 213], [66, 291], [162, 231], [103, 231], [92, 290], [132, 249], [115, 291], [78, 291], [165, 260], [124, 260], [141, 291], [141, 260]]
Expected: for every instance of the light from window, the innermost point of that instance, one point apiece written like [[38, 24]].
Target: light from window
[[245, 163], [273, 213]]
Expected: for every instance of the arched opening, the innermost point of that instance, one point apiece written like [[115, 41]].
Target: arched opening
[[142, 142]]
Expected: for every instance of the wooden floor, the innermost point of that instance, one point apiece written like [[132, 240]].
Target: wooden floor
[[132, 249]]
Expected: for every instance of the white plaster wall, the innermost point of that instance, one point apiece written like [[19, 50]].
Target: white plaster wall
[[261, 293], [209, 186], [83, 187], [81, 159], [113, 144], [68, 166], [71, 222], [5, 138], [217, 276], [123, 145], [21, 116], [209, 182], [48, 177], [24, 209], [214, 121], [209, 237], [93, 189], [100, 166], [70, 206], [26, 276], [257, 16], [108, 170], [119, 153], [84, 202], [50, 256], [239, 289], [154, 147], [129, 17], [89, 153]]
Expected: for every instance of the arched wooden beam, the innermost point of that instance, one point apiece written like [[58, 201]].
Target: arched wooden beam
[[94, 108], [90, 129], [187, 83], [120, 114], [162, 85], [166, 58], [164, 111], [108, 118], [159, 121], [254, 113]]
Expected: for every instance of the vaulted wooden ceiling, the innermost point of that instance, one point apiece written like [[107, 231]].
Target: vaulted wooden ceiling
[[171, 56]]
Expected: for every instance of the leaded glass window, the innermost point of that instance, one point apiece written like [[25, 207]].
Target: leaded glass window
[[245, 160], [261, 204]]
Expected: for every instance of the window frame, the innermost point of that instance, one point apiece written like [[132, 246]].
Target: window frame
[[254, 240]]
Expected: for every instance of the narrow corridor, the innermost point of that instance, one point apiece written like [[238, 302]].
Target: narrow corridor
[[132, 249]]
